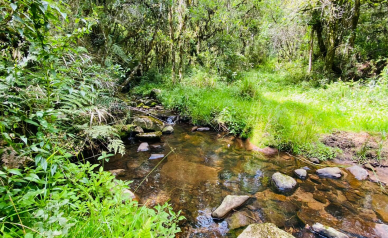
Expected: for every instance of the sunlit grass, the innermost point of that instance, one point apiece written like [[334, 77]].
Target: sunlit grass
[[274, 110]]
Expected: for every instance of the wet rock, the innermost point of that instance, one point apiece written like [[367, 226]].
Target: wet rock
[[283, 183], [264, 230], [148, 123], [323, 187], [156, 147], [203, 129], [268, 151], [327, 231], [241, 219], [149, 135], [380, 206], [330, 172], [315, 160], [301, 173], [143, 147], [194, 128], [358, 172], [381, 230], [168, 129], [157, 107], [156, 156], [117, 172], [314, 178], [229, 203]]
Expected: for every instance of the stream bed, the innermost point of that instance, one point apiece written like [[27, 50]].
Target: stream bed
[[204, 167]]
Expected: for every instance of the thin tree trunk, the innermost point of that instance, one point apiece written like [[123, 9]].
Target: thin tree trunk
[[353, 27], [311, 51]]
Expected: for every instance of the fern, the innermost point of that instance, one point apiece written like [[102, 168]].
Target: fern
[[120, 52]]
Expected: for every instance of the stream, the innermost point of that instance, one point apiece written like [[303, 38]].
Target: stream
[[204, 167]]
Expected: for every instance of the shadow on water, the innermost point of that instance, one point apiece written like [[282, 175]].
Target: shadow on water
[[207, 166]]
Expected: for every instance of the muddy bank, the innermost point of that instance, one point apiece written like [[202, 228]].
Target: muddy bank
[[369, 151]]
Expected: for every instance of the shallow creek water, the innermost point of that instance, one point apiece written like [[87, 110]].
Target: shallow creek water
[[206, 166]]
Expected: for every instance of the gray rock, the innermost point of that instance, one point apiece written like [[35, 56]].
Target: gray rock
[[301, 173], [168, 129], [239, 219], [143, 147], [328, 231], [148, 123], [264, 230], [358, 172], [229, 203], [149, 135], [203, 129], [117, 172], [315, 160], [283, 183], [138, 129], [330, 172], [381, 230], [156, 156]]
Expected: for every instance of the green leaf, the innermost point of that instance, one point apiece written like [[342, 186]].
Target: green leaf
[[14, 6], [44, 164], [24, 139], [31, 122], [15, 171]]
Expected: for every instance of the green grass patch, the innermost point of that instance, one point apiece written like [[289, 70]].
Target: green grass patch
[[274, 107]]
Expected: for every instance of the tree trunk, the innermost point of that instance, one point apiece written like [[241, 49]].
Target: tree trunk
[[311, 51], [353, 26]]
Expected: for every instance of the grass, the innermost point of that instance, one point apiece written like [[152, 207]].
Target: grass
[[275, 107]]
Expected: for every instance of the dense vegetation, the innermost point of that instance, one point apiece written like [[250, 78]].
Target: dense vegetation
[[280, 72]]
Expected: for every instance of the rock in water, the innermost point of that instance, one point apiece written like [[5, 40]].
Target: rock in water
[[156, 156], [330, 172], [230, 202], [203, 129], [168, 130], [358, 172], [264, 230], [301, 173], [283, 183], [149, 123], [328, 231], [314, 160], [381, 230], [143, 147], [117, 172], [268, 151], [149, 135]]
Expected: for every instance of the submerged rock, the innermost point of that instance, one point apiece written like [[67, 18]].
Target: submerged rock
[[358, 172], [117, 172], [330, 172], [168, 129], [156, 156], [241, 219], [380, 206], [148, 123], [301, 173], [264, 230], [283, 183], [268, 151], [143, 147], [149, 135], [229, 203], [328, 231]]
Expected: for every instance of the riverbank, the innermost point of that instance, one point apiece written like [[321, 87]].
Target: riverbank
[[274, 107]]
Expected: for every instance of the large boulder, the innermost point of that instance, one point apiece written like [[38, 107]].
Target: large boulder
[[283, 183], [149, 135], [358, 172], [229, 203], [380, 206], [148, 123], [330, 172], [264, 230], [328, 231]]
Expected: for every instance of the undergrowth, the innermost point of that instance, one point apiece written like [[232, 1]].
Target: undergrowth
[[279, 105]]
